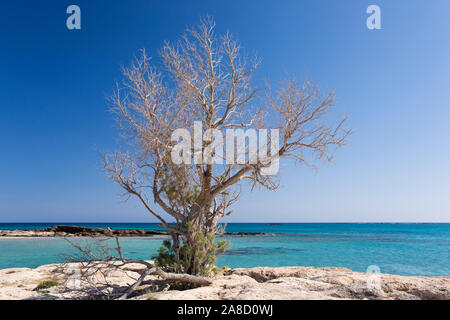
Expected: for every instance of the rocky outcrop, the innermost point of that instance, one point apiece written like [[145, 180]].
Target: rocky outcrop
[[293, 283], [340, 283], [77, 231]]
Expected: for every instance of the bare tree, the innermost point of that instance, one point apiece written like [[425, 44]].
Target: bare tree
[[205, 77]]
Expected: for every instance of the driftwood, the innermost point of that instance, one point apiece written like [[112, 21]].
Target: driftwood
[[202, 281]]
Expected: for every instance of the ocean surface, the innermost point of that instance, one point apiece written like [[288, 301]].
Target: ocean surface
[[404, 249]]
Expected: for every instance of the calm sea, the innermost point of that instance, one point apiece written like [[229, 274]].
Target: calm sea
[[405, 249]]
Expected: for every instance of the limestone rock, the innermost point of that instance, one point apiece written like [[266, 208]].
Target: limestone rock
[[254, 283]]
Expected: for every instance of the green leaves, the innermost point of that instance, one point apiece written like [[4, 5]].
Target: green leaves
[[197, 256]]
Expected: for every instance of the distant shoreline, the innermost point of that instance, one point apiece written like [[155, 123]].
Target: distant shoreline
[[79, 231]]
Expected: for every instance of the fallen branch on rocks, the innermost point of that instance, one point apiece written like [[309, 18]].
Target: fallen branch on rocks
[[179, 277], [96, 262]]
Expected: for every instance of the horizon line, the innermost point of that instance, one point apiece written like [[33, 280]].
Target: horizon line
[[267, 222]]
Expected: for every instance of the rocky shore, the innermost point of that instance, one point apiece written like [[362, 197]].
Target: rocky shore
[[263, 283], [76, 231]]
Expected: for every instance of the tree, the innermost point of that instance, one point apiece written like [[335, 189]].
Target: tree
[[207, 78]]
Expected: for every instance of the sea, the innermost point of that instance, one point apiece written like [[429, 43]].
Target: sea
[[399, 248]]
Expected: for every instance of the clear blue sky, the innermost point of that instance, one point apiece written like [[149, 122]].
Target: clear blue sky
[[393, 83]]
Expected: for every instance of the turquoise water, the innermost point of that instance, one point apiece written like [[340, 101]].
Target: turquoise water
[[406, 249]]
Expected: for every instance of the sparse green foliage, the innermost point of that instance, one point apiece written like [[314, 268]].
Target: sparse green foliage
[[45, 284], [197, 256]]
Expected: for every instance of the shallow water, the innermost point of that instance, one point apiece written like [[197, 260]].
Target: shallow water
[[406, 249]]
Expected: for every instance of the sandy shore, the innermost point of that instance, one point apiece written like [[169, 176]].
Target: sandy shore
[[255, 283]]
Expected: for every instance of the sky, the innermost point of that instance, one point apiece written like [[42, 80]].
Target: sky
[[392, 83]]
